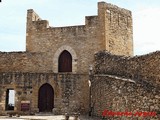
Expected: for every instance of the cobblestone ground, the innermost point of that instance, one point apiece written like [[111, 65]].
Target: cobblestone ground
[[58, 117]]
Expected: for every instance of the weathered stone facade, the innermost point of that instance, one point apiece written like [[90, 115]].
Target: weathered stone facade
[[27, 72], [130, 84], [27, 87]]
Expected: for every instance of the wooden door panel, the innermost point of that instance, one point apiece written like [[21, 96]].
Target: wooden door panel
[[65, 62], [46, 98]]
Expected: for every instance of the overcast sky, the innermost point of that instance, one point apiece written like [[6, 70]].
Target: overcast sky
[[146, 19]]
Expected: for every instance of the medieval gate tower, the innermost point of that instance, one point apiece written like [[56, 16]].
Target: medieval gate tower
[[52, 74]]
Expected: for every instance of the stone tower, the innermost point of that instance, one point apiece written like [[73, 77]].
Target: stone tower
[[41, 67]]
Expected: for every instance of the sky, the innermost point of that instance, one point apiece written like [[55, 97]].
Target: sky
[[11, 97], [146, 20]]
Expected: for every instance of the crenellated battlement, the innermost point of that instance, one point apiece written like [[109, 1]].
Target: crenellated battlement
[[114, 14], [32, 16], [111, 30]]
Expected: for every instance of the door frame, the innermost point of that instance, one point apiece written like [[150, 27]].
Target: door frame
[[42, 88]]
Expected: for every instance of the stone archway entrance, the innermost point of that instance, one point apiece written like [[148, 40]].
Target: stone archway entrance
[[59, 53], [65, 62], [46, 98]]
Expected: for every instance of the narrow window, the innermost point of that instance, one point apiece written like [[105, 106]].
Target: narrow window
[[10, 99], [65, 62]]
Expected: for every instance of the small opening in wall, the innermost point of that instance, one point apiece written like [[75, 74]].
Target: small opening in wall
[[10, 99]]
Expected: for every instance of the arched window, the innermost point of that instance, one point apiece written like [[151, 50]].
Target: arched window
[[65, 62]]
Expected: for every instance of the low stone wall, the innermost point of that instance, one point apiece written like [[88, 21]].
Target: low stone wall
[[24, 62], [146, 67], [121, 84], [120, 95]]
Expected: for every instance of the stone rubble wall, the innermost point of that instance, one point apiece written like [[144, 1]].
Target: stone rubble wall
[[146, 67], [109, 93], [122, 83]]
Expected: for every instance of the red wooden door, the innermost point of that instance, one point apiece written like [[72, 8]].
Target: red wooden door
[[65, 62], [46, 98]]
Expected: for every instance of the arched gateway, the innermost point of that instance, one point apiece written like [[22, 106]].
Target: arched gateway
[[46, 98]]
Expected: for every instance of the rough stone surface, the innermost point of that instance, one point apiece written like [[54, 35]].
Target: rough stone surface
[[68, 95], [123, 81], [126, 84], [146, 67], [44, 43], [48, 117]]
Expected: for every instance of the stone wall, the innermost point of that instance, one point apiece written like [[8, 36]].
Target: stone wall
[[97, 34], [122, 84], [44, 44], [24, 62], [43, 41], [79, 38], [121, 95], [146, 67], [68, 95], [117, 27]]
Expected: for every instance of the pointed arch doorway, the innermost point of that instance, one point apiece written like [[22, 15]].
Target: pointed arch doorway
[[65, 62], [46, 98]]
